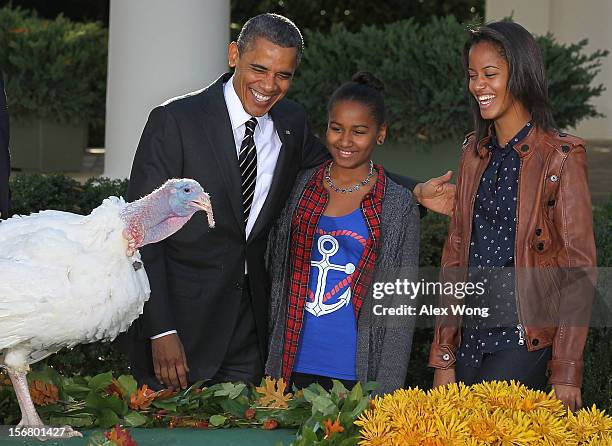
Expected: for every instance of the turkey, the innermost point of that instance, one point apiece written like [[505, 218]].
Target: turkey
[[68, 279]]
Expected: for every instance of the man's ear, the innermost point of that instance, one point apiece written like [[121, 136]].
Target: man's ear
[[232, 54]]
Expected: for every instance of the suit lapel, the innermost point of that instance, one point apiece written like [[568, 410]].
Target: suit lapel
[[280, 173], [221, 138]]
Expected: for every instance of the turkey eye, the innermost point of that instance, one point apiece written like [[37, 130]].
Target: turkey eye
[[187, 190]]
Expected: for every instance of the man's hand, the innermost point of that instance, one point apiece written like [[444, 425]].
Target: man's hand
[[437, 194], [443, 377], [570, 396], [169, 361]]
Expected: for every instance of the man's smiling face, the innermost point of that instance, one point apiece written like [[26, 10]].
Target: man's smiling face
[[262, 74]]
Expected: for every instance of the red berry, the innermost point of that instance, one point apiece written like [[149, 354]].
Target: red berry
[[270, 424], [249, 414]]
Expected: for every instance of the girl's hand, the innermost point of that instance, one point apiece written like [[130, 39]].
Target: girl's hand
[[437, 194], [570, 396]]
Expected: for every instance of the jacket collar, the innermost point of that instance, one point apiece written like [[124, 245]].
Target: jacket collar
[[521, 143]]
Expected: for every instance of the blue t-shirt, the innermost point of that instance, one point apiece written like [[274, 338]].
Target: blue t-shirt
[[328, 342]]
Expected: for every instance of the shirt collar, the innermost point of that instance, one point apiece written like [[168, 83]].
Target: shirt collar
[[238, 116], [376, 193], [521, 134]]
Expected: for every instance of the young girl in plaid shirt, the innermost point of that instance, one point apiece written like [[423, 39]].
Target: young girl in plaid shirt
[[346, 226]]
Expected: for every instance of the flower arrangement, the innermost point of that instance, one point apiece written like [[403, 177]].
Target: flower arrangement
[[492, 413], [488, 414]]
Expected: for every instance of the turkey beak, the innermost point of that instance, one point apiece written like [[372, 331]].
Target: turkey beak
[[203, 203]]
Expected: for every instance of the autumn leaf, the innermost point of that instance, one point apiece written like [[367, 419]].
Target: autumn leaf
[[142, 399], [331, 427], [273, 393], [43, 393], [164, 393], [114, 388], [120, 437]]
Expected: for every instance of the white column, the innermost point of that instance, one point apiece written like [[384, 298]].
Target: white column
[[570, 21], [533, 15], [158, 49]]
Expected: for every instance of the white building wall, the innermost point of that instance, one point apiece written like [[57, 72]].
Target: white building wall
[[158, 49], [570, 21]]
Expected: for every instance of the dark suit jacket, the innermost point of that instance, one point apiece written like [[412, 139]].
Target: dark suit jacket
[[196, 275], [5, 164]]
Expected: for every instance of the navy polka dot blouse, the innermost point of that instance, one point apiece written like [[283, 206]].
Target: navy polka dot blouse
[[492, 256]]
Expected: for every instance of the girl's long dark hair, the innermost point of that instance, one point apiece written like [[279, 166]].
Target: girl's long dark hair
[[526, 73]]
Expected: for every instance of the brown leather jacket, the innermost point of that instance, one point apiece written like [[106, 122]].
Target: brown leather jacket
[[554, 230]]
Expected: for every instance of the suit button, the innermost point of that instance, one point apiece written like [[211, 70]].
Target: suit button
[[565, 148], [525, 148], [540, 246], [238, 285], [446, 356], [535, 342], [538, 232]]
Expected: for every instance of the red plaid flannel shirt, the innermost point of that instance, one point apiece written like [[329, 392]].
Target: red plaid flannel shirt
[[304, 222]]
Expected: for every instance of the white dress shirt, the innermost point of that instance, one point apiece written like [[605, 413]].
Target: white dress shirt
[[268, 146]]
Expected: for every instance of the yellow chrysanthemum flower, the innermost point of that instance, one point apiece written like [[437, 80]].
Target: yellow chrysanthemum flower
[[487, 414]]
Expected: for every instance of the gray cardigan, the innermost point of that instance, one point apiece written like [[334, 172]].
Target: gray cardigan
[[383, 343]]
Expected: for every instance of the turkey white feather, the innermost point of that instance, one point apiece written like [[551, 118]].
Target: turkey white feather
[[65, 279]]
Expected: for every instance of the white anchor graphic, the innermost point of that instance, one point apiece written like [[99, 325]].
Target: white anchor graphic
[[318, 308]]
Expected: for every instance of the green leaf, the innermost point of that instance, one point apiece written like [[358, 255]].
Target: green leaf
[[97, 439], [324, 405], [356, 393], [74, 421], [371, 386], [100, 381], [47, 375], [99, 402], [351, 441], [309, 395], [135, 419], [107, 418], [77, 391], [217, 420], [361, 406], [237, 390], [170, 406], [338, 388], [128, 384], [235, 407]]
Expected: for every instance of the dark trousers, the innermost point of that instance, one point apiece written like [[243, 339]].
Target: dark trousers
[[242, 360], [519, 364], [303, 380]]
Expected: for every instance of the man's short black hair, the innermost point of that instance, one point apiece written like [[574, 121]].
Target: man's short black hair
[[273, 27]]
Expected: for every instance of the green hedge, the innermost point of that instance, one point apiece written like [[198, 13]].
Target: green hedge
[[421, 67], [53, 68], [36, 192]]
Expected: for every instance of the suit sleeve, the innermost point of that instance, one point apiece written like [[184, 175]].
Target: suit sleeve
[[314, 151], [158, 158]]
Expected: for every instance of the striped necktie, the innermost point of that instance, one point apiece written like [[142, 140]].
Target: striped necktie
[[248, 167]]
